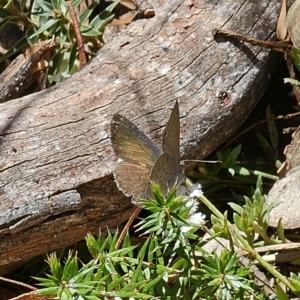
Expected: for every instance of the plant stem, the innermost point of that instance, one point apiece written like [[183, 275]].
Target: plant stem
[[246, 245]]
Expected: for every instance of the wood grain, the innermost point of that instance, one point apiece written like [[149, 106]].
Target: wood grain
[[56, 161]]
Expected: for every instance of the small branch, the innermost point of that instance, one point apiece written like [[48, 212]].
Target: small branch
[[242, 132], [81, 52], [280, 46], [127, 226], [32, 288]]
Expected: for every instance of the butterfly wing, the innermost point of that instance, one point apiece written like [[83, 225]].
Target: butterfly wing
[[166, 172], [171, 135], [139, 153], [132, 179], [131, 144], [143, 159]]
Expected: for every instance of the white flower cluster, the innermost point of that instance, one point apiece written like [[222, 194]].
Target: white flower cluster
[[191, 194]]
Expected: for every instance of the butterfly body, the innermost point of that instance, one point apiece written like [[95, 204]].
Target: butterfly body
[[142, 160]]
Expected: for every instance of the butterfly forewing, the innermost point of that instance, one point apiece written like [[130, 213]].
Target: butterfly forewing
[[171, 135], [131, 144]]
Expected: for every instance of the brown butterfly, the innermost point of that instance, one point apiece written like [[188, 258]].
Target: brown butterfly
[[142, 160]]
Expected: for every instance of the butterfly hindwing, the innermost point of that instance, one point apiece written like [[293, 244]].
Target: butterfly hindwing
[[132, 179], [166, 172]]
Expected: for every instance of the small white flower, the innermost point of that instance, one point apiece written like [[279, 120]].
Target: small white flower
[[197, 218], [185, 228], [193, 203], [196, 191], [190, 195]]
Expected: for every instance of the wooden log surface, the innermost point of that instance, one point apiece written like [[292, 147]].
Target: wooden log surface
[[56, 160]]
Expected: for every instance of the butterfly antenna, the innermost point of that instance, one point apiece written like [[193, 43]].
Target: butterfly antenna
[[203, 161]]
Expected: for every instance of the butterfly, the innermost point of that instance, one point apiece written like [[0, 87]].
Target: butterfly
[[142, 161]]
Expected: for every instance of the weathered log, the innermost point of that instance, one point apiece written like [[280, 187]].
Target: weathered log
[[56, 161]]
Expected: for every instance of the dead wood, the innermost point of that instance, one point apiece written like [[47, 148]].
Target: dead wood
[[24, 71], [56, 161]]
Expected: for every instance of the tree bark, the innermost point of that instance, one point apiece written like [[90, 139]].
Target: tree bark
[[56, 161]]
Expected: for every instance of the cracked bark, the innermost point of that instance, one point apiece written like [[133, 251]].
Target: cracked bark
[[56, 161]]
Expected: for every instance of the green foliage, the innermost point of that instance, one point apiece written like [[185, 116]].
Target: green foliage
[[171, 262], [295, 282], [296, 60], [52, 20], [233, 283], [270, 144], [231, 173], [291, 81], [253, 218], [229, 161], [239, 170], [296, 57]]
